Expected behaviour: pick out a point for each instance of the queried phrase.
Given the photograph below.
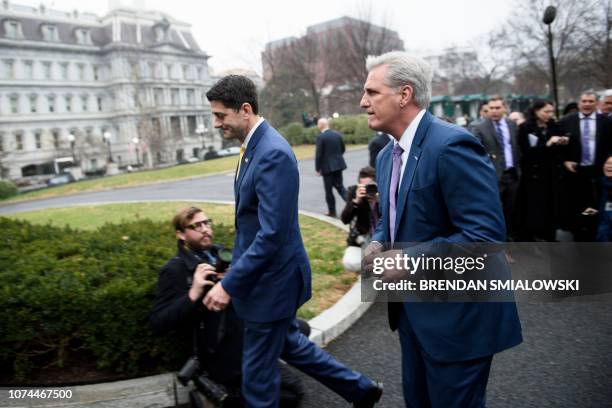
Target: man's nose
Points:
(364, 103)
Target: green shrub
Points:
(7, 189)
(66, 293)
(354, 130)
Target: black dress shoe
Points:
(371, 397)
(331, 214)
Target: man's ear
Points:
(180, 235)
(246, 108)
(406, 95)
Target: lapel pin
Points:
(416, 157)
(246, 160)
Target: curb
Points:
(162, 390)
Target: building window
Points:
(56, 139)
(51, 103)
(12, 29)
(200, 73)
(64, 71)
(84, 103)
(46, 70)
(50, 33)
(175, 126)
(1, 143)
(94, 164)
(158, 94)
(33, 103)
(88, 133)
(169, 70)
(191, 125)
(185, 71)
(38, 139)
(99, 101)
(81, 71)
(174, 92)
(68, 103)
(83, 36)
(28, 69)
(151, 66)
(14, 102)
(19, 141)
(96, 73)
(9, 69)
(190, 97)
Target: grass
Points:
(324, 243)
(151, 176)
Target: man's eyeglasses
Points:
(199, 225)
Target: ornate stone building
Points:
(128, 87)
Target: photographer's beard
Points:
(203, 243)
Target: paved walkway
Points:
(565, 360)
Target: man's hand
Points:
(216, 299)
(570, 166)
(360, 193)
(318, 173)
(373, 249)
(200, 280)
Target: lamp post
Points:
(200, 130)
(136, 141)
(549, 16)
(72, 140)
(107, 137)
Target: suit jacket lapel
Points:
(493, 133)
(247, 158)
(411, 165)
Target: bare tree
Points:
(581, 43)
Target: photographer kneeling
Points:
(216, 337)
(361, 213)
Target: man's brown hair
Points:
(184, 217)
(496, 98)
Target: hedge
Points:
(63, 296)
(7, 189)
(354, 130)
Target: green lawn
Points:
(151, 176)
(324, 243)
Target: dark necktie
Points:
(502, 145)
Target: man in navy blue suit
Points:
(436, 185)
(269, 277)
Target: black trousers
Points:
(508, 188)
(330, 181)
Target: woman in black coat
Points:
(540, 199)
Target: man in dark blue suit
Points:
(436, 185)
(330, 164)
(269, 277)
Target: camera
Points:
(224, 259)
(371, 189)
(215, 393)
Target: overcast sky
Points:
(234, 32)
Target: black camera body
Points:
(371, 189)
(215, 393)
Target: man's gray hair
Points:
(405, 69)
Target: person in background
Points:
(483, 115)
(517, 117)
(604, 229)
(361, 213)
(379, 141)
(329, 163)
(540, 144)
(569, 108)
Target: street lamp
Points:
(107, 137)
(336, 115)
(72, 140)
(549, 16)
(200, 130)
(136, 141)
